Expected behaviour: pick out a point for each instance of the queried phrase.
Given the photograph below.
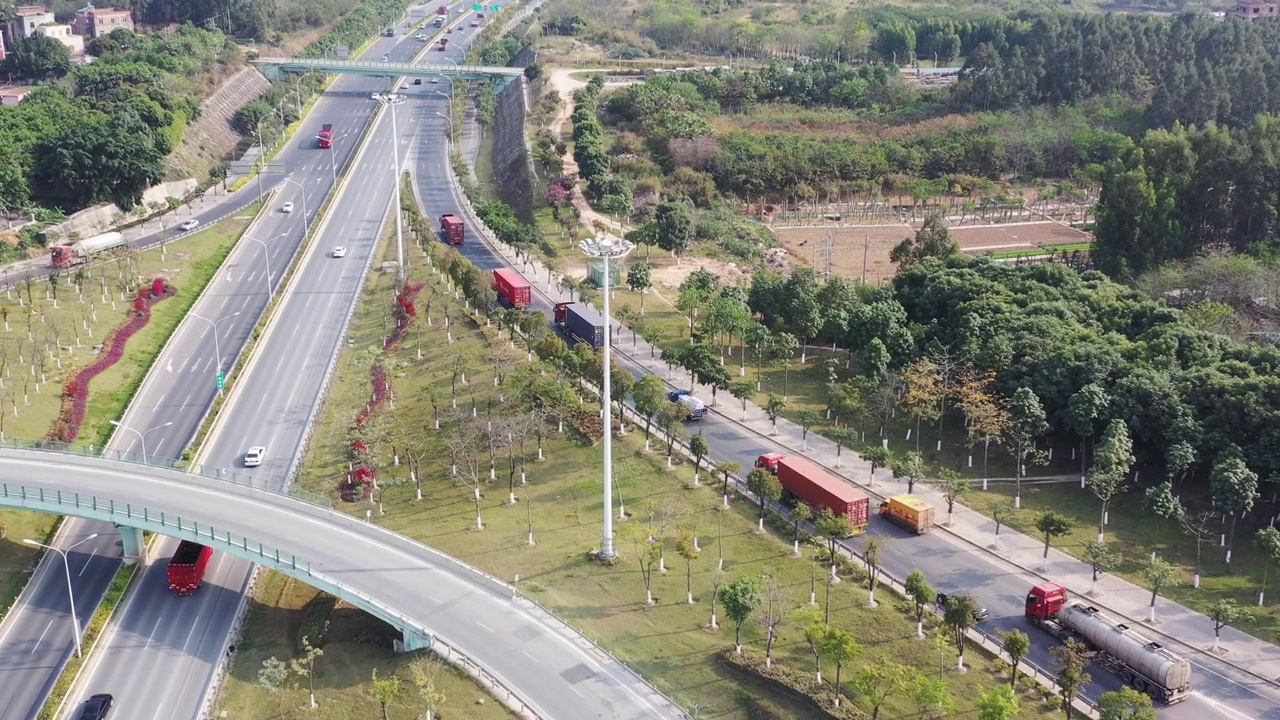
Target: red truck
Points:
(324, 139)
(512, 289)
(803, 480)
(187, 566)
(451, 228)
(444, 43)
(442, 10)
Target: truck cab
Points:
(1045, 600)
(769, 461)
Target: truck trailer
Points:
(512, 289)
(82, 251)
(187, 566)
(324, 138)
(451, 228)
(803, 480)
(908, 511)
(1144, 664)
(694, 408)
(581, 322)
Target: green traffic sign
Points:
(477, 7)
(222, 380)
(495, 8)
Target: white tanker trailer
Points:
(1143, 663)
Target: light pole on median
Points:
(607, 247)
(142, 436)
(393, 100)
(217, 354)
(450, 119)
(306, 228)
(66, 565)
(266, 256)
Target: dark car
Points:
(980, 611)
(95, 708)
(417, 81)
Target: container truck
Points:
(694, 408)
(442, 10)
(908, 511)
(187, 566)
(803, 480)
(324, 139)
(1144, 664)
(512, 289)
(82, 250)
(451, 228)
(580, 322)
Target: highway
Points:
(36, 638)
(181, 639)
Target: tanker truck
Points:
(81, 251)
(1144, 663)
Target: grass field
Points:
(667, 643)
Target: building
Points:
(63, 34)
(25, 21)
(12, 95)
(1255, 9)
(92, 22)
(2, 53)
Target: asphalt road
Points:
(181, 638)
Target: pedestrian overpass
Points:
(274, 68)
(529, 655)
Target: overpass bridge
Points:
(274, 69)
(545, 668)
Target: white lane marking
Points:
(225, 298)
(155, 450)
(41, 639)
(157, 407)
(526, 654)
(194, 624)
(486, 627)
(187, 401)
(152, 636)
(183, 366)
(86, 565)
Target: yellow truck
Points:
(908, 511)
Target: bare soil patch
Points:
(1011, 236)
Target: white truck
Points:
(81, 251)
(695, 409)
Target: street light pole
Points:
(306, 227)
(66, 565)
(142, 436)
(605, 248)
(394, 100)
(217, 353)
(266, 256)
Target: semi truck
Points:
(694, 408)
(908, 511)
(187, 566)
(324, 138)
(451, 228)
(442, 10)
(805, 481)
(444, 44)
(512, 289)
(82, 250)
(1144, 664)
(438, 22)
(581, 323)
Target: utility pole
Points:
(866, 245)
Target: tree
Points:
(741, 598)
(425, 671)
(801, 513)
(998, 703)
(648, 394)
(879, 457)
(1026, 423)
(773, 408)
(839, 647)
(806, 419)
(871, 557)
(1101, 560)
(673, 221)
(465, 444)
(639, 280)
(699, 448)
(1083, 410)
(1160, 500)
(774, 608)
(687, 548)
(726, 469)
(1200, 525)
(909, 466)
(922, 393)
(743, 390)
(832, 528)
(920, 593)
(305, 666)
(766, 487)
(1234, 488)
(648, 553)
(877, 681)
(932, 240)
(815, 632)
(933, 700)
(953, 487)
(1051, 524)
(1112, 459)
(1001, 510)
(1070, 660)
(1268, 544)
(1125, 704)
(386, 691)
(670, 417)
(38, 58)
(1158, 574)
(717, 582)
(957, 614)
(1016, 645)
(1223, 613)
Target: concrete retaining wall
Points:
(101, 218)
(511, 176)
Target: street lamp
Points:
(266, 255)
(66, 565)
(142, 436)
(306, 228)
(450, 119)
(607, 247)
(393, 101)
(217, 354)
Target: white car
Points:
(253, 458)
(386, 57)
(376, 96)
(189, 225)
(286, 208)
(340, 252)
(419, 36)
(435, 81)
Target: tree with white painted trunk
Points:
(815, 631)
(801, 513)
(871, 548)
(774, 609)
(1051, 524)
(1026, 424)
(1268, 544)
(1223, 613)
(1101, 561)
(953, 487)
(1016, 645)
(958, 616)
(646, 553)
(1234, 488)
(766, 487)
(1112, 459)
(1159, 575)
(466, 443)
(426, 672)
(717, 583)
(687, 549)
(726, 469)
(839, 648)
(741, 598)
(920, 593)
(1201, 525)
(832, 528)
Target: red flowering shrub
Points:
(157, 287)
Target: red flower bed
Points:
(75, 393)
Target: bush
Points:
(797, 682)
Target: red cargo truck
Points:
(806, 481)
(442, 10)
(451, 228)
(324, 138)
(187, 566)
(512, 289)
(444, 43)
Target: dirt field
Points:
(849, 243)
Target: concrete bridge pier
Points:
(131, 542)
(413, 640)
